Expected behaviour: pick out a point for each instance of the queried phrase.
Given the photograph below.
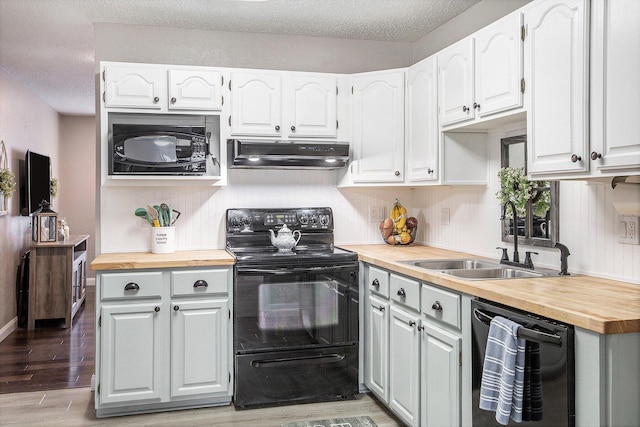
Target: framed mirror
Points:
(537, 223)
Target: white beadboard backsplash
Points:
(587, 217)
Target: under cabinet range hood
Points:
(283, 154)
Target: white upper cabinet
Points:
(134, 87)
(310, 106)
(288, 105)
(195, 90)
(499, 66)
(162, 88)
(615, 86)
(256, 104)
(378, 126)
(481, 75)
(421, 151)
(456, 91)
(556, 75)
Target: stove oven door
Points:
(301, 307)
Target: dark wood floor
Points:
(50, 357)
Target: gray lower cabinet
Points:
(163, 340)
(414, 347)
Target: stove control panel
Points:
(246, 220)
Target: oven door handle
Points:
(298, 361)
(289, 270)
(526, 333)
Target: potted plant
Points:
(54, 187)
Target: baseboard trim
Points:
(8, 328)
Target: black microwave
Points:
(155, 144)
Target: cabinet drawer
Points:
(131, 285)
(378, 281)
(405, 291)
(441, 305)
(199, 282)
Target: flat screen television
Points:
(37, 182)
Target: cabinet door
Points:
(556, 75)
(311, 105)
(456, 90)
(377, 347)
(404, 366)
(440, 377)
(615, 87)
(499, 66)
(199, 347)
(422, 121)
(378, 127)
(131, 352)
(137, 87)
(195, 90)
(256, 104)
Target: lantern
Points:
(44, 224)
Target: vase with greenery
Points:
(515, 187)
(54, 187)
(7, 185)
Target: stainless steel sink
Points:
(494, 273)
(477, 269)
(453, 264)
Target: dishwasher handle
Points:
(526, 333)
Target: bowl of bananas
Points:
(399, 228)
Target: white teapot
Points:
(286, 239)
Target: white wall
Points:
(78, 177)
(26, 123)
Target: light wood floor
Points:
(75, 407)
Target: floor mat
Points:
(336, 422)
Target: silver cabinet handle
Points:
(293, 128)
(173, 100)
(397, 173)
(465, 109)
(278, 127)
(381, 308)
(476, 105)
(595, 155)
(375, 284)
(575, 158)
(176, 307)
(402, 293)
(157, 309)
(412, 323)
(156, 99)
(436, 306)
(201, 284)
(132, 287)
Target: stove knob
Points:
(246, 220)
(324, 220)
(234, 221)
(314, 219)
(303, 219)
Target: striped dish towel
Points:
(501, 389)
(532, 395)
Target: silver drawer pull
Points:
(375, 283)
(412, 323)
(201, 284)
(436, 306)
(132, 287)
(402, 293)
(381, 308)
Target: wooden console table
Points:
(57, 279)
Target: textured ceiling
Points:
(47, 45)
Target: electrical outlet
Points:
(376, 214)
(445, 216)
(628, 230)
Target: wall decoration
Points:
(7, 181)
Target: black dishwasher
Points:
(556, 348)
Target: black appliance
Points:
(296, 313)
(287, 154)
(142, 144)
(36, 182)
(556, 347)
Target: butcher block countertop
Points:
(137, 260)
(600, 305)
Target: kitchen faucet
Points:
(564, 253)
(516, 255)
(528, 263)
